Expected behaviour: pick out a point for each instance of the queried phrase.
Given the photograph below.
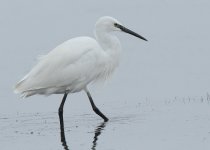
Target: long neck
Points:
(111, 46)
(109, 43)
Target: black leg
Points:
(60, 110)
(95, 109)
(62, 131)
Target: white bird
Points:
(74, 64)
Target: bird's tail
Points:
(20, 87)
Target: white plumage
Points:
(71, 66)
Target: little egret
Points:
(74, 64)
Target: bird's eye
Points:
(115, 24)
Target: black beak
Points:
(126, 30)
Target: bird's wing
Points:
(76, 60)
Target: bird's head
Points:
(109, 24)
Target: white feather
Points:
(71, 66)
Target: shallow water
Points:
(174, 125)
(42, 131)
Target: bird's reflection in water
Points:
(97, 132)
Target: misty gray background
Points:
(153, 99)
(174, 63)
